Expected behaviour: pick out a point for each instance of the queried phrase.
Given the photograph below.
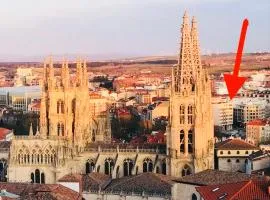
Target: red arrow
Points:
(233, 81)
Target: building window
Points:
(157, 170)
(109, 164)
(229, 160)
(182, 141)
(221, 152)
(38, 177)
(238, 152)
(194, 197)
(182, 114)
(117, 171)
(60, 106)
(163, 171)
(186, 170)
(246, 152)
(190, 141)
(147, 165)
(190, 114)
(237, 161)
(89, 166)
(229, 152)
(128, 165)
(60, 129)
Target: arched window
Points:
(186, 170)
(73, 109)
(3, 170)
(229, 152)
(229, 160)
(182, 114)
(237, 161)
(62, 130)
(190, 114)
(190, 141)
(98, 168)
(238, 152)
(32, 177)
(194, 197)
(246, 152)
(221, 152)
(117, 172)
(163, 171)
(109, 164)
(60, 106)
(147, 165)
(157, 169)
(182, 141)
(58, 129)
(42, 178)
(128, 165)
(37, 176)
(89, 166)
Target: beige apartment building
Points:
(248, 109)
(222, 113)
(258, 131)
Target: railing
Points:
(133, 150)
(28, 137)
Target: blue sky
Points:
(126, 28)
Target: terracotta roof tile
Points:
(253, 189)
(88, 182)
(236, 144)
(258, 122)
(4, 132)
(29, 191)
(149, 183)
(211, 177)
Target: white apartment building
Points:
(248, 109)
(223, 113)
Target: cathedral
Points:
(70, 139)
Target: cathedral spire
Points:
(196, 47)
(79, 72)
(85, 74)
(65, 74)
(184, 72)
(51, 69)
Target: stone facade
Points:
(66, 141)
(190, 132)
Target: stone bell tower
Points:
(65, 105)
(190, 130)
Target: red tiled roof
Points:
(4, 132)
(213, 177)
(150, 183)
(71, 178)
(259, 122)
(29, 191)
(253, 189)
(88, 182)
(236, 144)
